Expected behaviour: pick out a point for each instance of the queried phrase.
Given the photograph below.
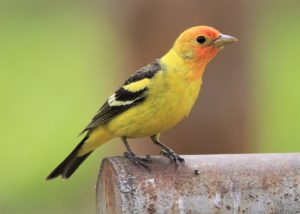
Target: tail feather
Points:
(66, 168)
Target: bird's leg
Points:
(167, 152)
(131, 156)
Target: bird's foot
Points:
(138, 160)
(172, 156)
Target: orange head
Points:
(200, 44)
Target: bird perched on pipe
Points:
(152, 100)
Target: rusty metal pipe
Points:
(205, 184)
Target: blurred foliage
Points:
(276, 78)
(54, 69)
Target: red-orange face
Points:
(200, 44)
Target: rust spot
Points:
(151, 209)
(251, 196)
(270, 181)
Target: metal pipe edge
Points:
(234, 183)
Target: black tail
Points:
(70, 164)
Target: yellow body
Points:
(172, 94)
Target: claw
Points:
(137, 160)
(172, 156)
(167, 152)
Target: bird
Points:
(152, 100)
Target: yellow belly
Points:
(169, 101)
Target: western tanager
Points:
(152, 100)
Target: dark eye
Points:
(201, 39)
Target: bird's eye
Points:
(201, 39)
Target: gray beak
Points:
(224, 40)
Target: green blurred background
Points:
(60, 60)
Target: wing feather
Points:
(125, 97)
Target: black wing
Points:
(123, 99)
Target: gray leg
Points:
(131, 156)
(167, 152)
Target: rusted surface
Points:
(250, 183)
